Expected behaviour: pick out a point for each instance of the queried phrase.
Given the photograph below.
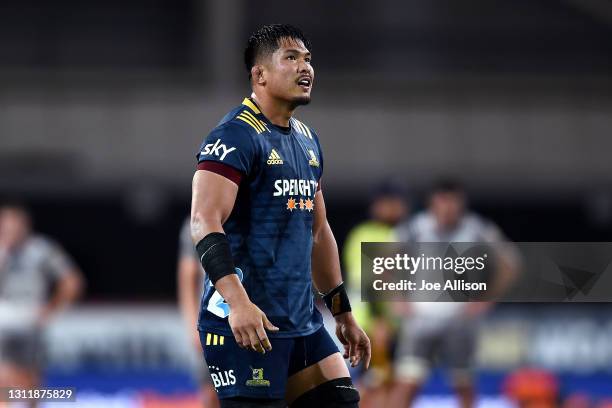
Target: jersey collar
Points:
(253, 106)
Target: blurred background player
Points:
(190, 288)
(37, 279)
(445, 330)
(388, 207)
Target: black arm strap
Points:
(337, 300)
(216, 256)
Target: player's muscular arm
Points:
(326, 275)
(213, 198)
(326, 272)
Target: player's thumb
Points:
(268, 325)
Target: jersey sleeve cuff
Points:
(223, 170)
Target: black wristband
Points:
(215, 256)
(337, 300)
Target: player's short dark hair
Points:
(389, 188)
(14, 203)
(447, 185)
(266, 40)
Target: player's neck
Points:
(276, 111)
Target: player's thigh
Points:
(237, 372)
(330, 368)
(459, 352)
(315, 360)
(417, 347)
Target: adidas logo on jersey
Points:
(274, 158)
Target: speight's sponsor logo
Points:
(294, 187)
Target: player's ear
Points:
(257, 75)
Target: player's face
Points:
(447, 208)
(14, 226)
(389, 210)
(289, 73)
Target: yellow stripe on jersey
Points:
(221, 340)
(208, 339)
(249, 123)
(215, 339)
(253, 121)
(258, 121)
(246, 119)
(247, 102)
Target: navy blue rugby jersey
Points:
(278, 171)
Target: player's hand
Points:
(356, 343)
(249, 325)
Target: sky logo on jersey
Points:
(217, 149)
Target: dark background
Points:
(103, 105)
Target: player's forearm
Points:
(232, 290)
(326, 273)
(228, 286)
(187, 290)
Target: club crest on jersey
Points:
(313, 159)
(217, 149)
(274, 158)
(258, 379)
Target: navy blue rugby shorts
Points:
(238, 372)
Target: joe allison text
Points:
(409, 285)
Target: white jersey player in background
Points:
(444, 332)
(37, 279)
(190, 286)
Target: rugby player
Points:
(260, 228)
(445, 330)
(37, 280)
(190, 281)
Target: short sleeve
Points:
(491, 233)
(227, 145)
(56, 261)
